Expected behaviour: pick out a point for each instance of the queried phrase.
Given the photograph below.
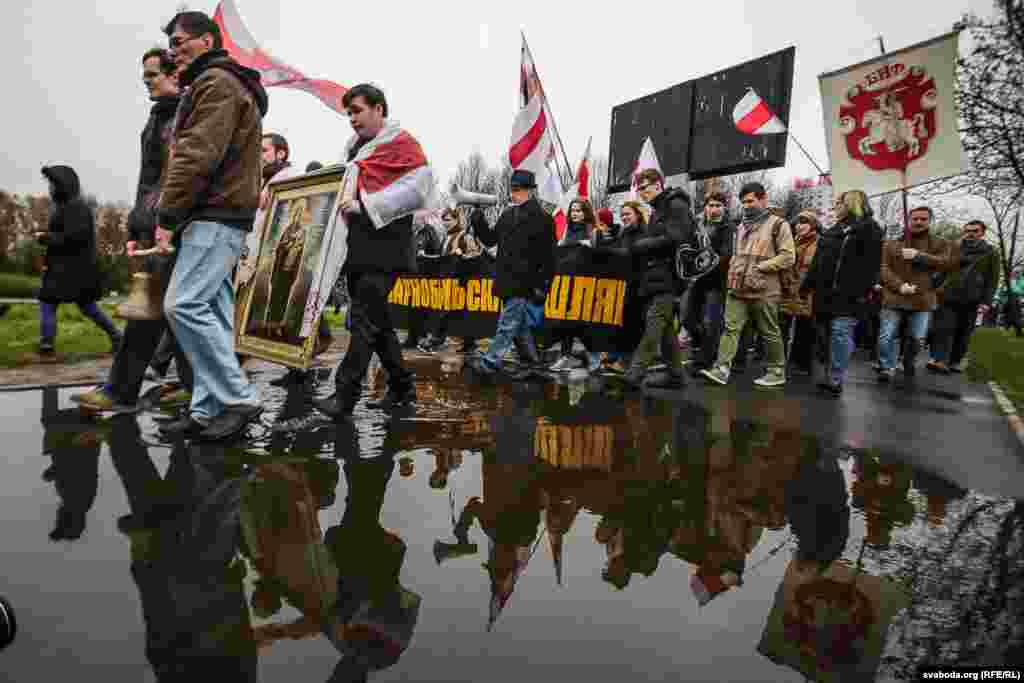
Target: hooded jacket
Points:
(156, 145)
(654, 251)
(214, 171)
(758, 257)
(796, 303)
(72, 273)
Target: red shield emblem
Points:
(889, 118)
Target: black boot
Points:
(398, 398)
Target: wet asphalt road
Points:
(599, 535)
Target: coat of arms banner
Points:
(891, 123)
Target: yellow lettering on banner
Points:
(558, 298)
(446, 300)
(458, 297)
(582, 298)
(490, 303)
(473, 295)
(414, 293)
(620, 301)
(604, 301)
(435, 294)
(395, 295)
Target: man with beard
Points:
(207, 205)
(120, 393)
(908, 291)
(962, 294)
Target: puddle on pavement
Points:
(501, 532)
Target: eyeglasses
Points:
(645, 187)
(803, 221)
(176, 42)
(151, 75)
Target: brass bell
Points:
(145, 300)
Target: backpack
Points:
(694, 261)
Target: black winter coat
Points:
(525, 236)
(156, 140)
(72, 271)
(654, 253)
(846, 266)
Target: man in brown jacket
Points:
(207, 203)
(763, 252)
(907, 291)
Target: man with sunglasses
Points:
(961, 295)
(207, 205)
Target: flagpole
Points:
(806, 153)
(554, 126)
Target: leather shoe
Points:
(230, 423)
(334, 406)
(184, 427)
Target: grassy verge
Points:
(18, 286)
(998, 354)
(76, 334)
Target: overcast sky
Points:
(450, 69)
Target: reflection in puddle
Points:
(844, 563)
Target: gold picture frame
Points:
(297, 227)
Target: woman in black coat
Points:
(844, 271)
(72, 273)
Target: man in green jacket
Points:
(962, 294)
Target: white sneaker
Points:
(566, 363)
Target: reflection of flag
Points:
(244, 49)
(753, 117)
(648, 159)
(580, 190)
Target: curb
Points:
(1016, 424)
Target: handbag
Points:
(695, 260)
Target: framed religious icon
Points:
(278, 287)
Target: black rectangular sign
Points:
(665, 118)
(716, 147)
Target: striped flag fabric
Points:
(530, 146)
(753, 117)
(244, 49)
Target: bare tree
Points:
(599, 182)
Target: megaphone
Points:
(447, 551)
(460, 196)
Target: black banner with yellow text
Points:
(588, 299)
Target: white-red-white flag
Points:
(244, 49)
(579, 190)
(753, 117)
(648, 159)
(530, 146)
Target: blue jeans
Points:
(890, 325)
(514, 322)
(200, 308)
(842, 345)
(48, 320)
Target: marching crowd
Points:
(803, 291)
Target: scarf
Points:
(748, 224)
(271, 170)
